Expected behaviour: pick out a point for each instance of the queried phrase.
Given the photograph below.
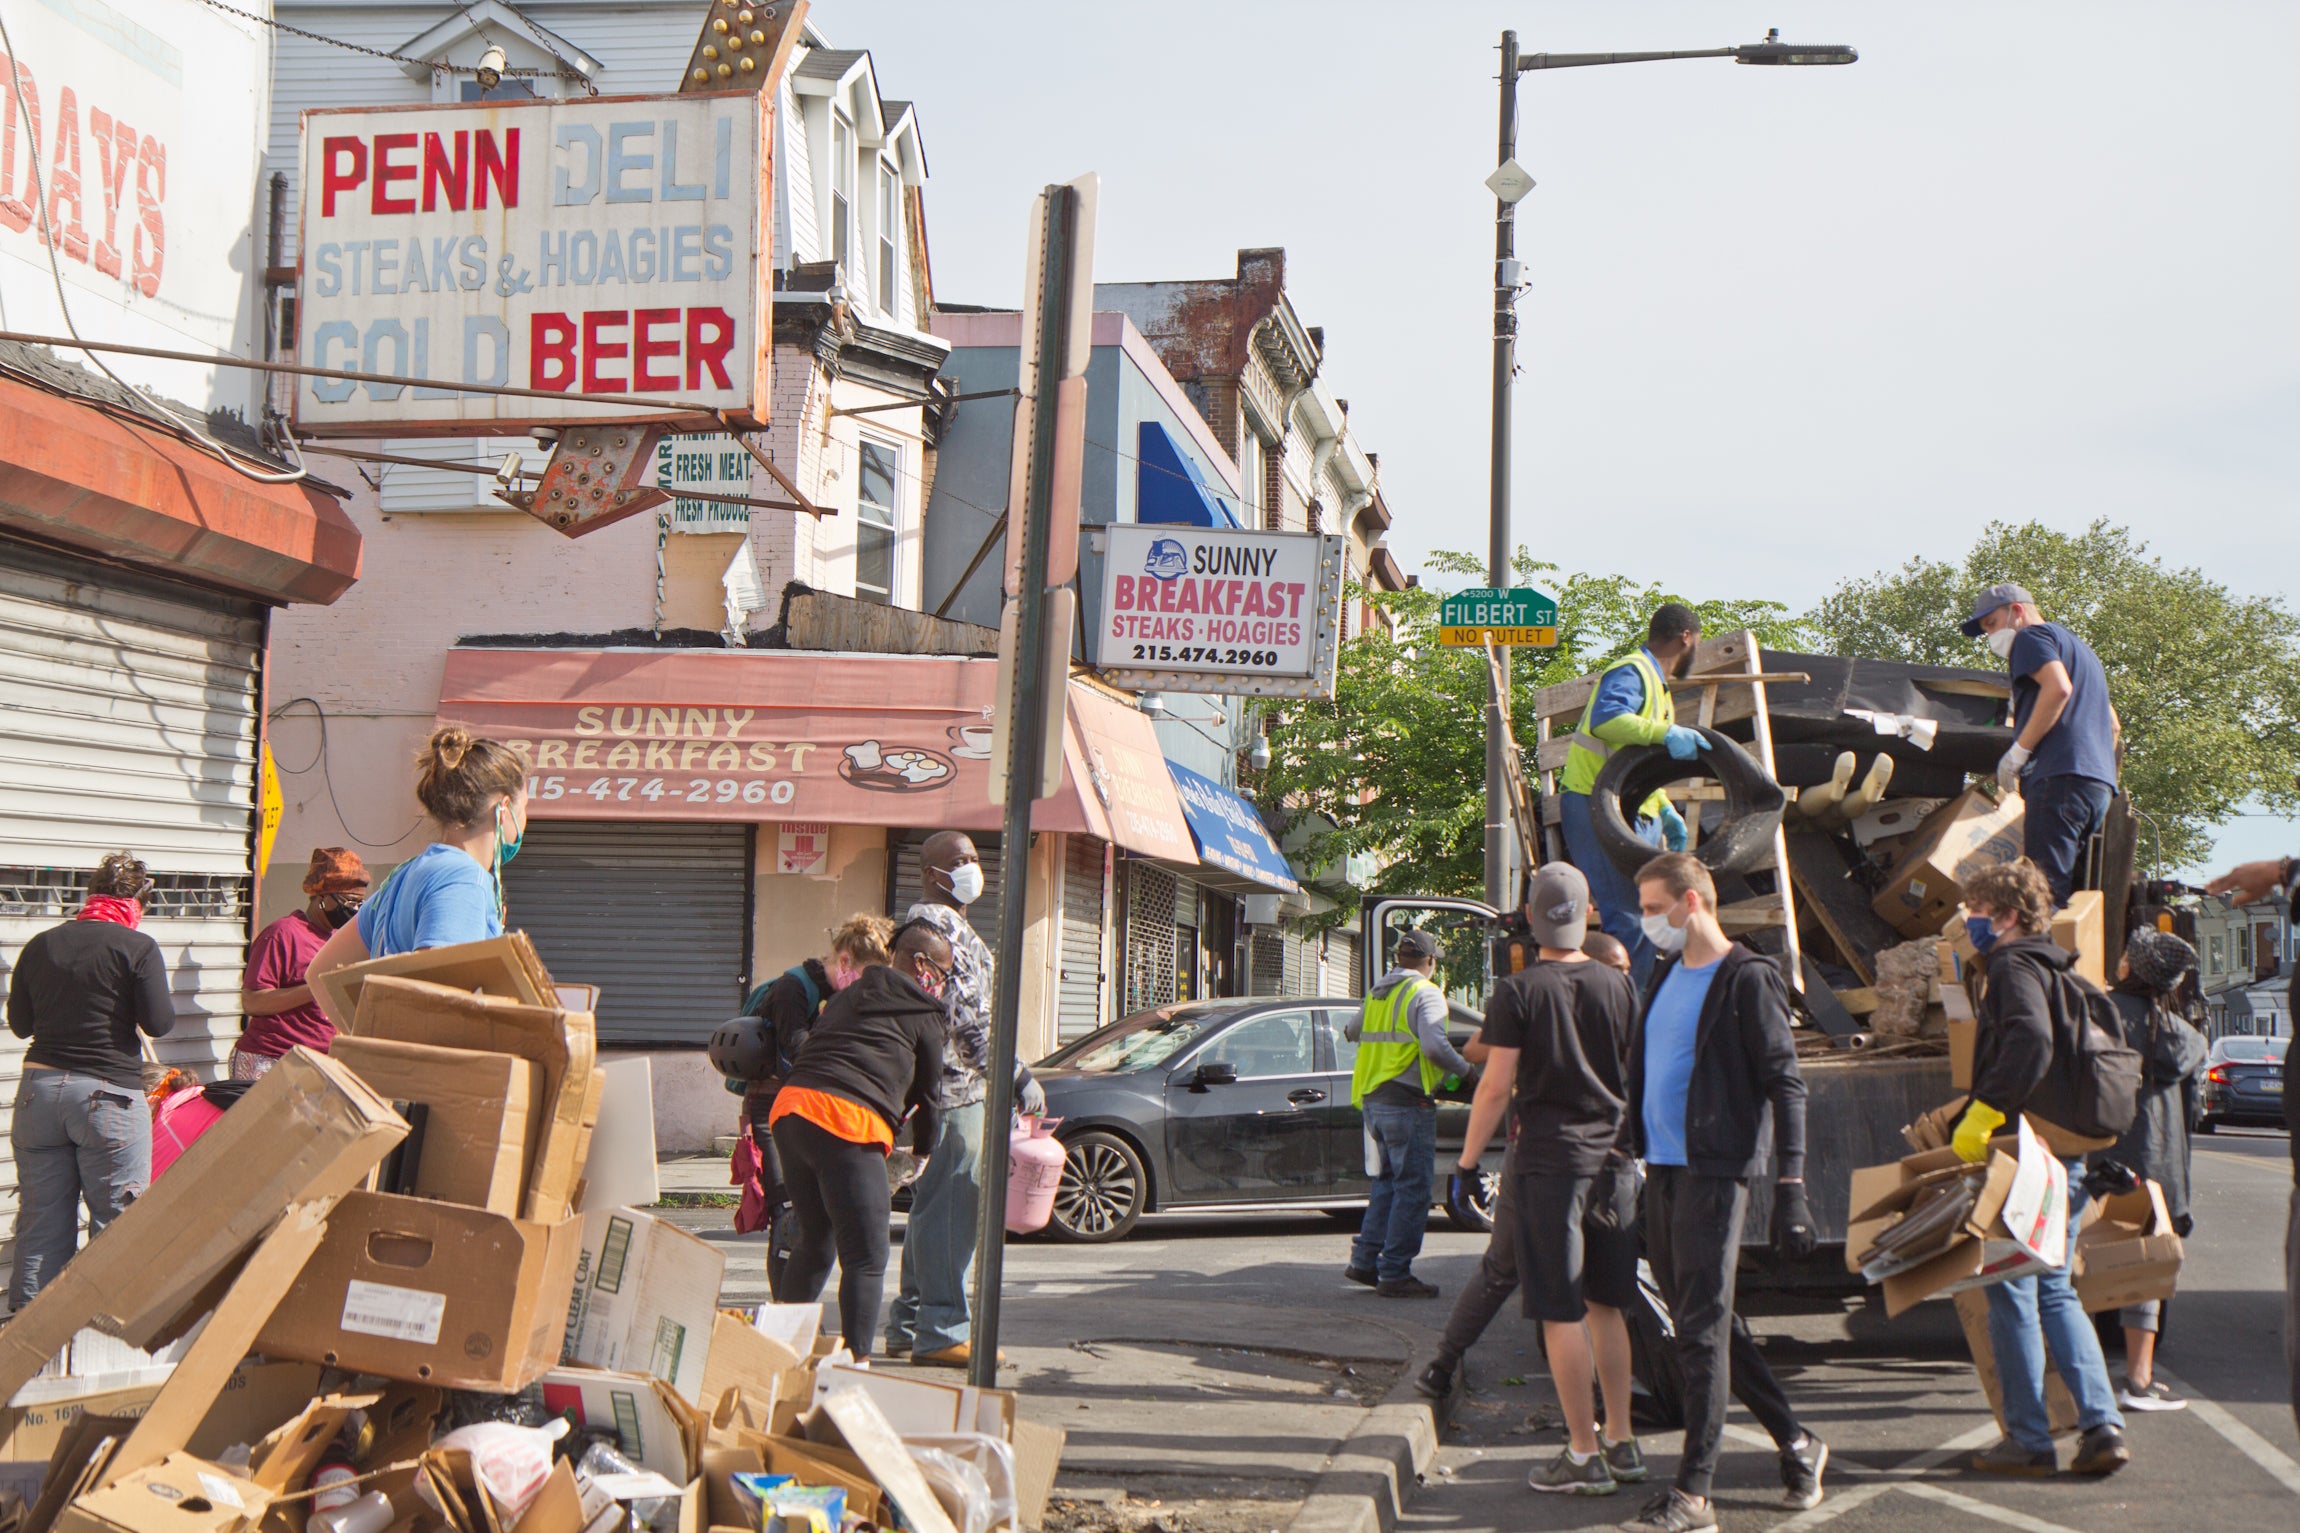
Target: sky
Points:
(1784, 327)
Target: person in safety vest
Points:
(1630, 706)
(1403, 1059)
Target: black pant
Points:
(1693, 1240)
(840, 1203)
(1494, 1281)
(781, 1225)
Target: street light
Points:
(1510, 183)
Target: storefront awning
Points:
(1168, 487)
(772, 735)
(1229, 833)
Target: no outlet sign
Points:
(1521, 616)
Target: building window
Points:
(506, 89)
(842, 192)
(876, 523)
(889, 226)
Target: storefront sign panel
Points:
(1215, 609)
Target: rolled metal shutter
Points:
(1079, 1003)
(1342, 969)
(128, 721)
(653, 913)
(910, 882)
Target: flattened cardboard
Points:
(656, 1429)
(485, 1121)
(433, 1293)
(35, 1431)
(253, 1402)
(722, 1507)
(2127, 1253)
(743, 1358)
(285, 1457)
(646, 1299)
(1973, 1314)
(2021, 1179)
(850, 1416)
(501, 966)
(1970, 832)
(562, 1043)
(1963, 1033)
(557, 1507)
(180, 1494)
(308, 1130)
(619, 1165)
(1037, 1460)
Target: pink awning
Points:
(757, 735)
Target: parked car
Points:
(2243, 1083)
(1224, 1104)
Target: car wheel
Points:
(1477, 1219)
(1102, 1192)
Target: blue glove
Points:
(1683, 744)
(1673, 828)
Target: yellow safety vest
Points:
(1387, 1047)
(1587, 757)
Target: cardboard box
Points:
(33, 1431)
(180, 1494)
(308, 1130)
(849, 1418)
(746, 1359)
(484, 1118)
(655, 1428)
(1970, 832)
(2078, 930)
(619, 1168)
(499, 966)
(562, 1044)
(434, 1293)
(646, 1299)
(820, 1464)
(1962, 1034)
(2059, 1404)
(2126, 1253)
(2017, 1225)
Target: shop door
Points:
(1079, 1006)
(909, 880)
(655, 913)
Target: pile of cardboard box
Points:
(373, 1249)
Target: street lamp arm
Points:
(1585, 60)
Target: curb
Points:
(1365, 1486)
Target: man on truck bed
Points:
(1630, 706)
(2063, 757)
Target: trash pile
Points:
(397, 1289)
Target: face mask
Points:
(843, 974)
(338, 915)
(1982, 932)
(965, 882)
(2001, 642)
(1658, 931)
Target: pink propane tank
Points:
(1033, 1172)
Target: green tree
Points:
(1394, 763)
(2206, 682)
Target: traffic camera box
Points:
(2126, 1253)
(1970, 832)
(482, 1120)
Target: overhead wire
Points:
(387, 55)
(320, 759)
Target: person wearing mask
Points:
(475, 791)
(790, 1003)
(1403, 1056)
(2243, 885)
(1629, 706)
(2024, 1059)
(1713, 1061)
(2148, 979)
(1559, 1033)
(875, 1052)
(280, 1009)
(2063, 756)
(930, 1321)
(82, 992)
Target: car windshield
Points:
(2252, 1050)
(1137, 1042)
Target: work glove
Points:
(1683, 744)
(1971, 1140)
(2009, 768)
(1673, 834)
(1030, 1098)
(1793, 1234)
(2108, 1178)
(1461, 1190)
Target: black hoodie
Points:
(877, 1043)
(1744, 1068)
(2024, 1051)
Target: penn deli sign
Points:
(608, 246)
(1216, 609)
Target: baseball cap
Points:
(1557, 905)
(2003, 594)
(1414, 945)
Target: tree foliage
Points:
(1394, 763)
(2207, 682)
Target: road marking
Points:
(1976, 1508)
(2273, 1167)
(2251, 1444)
(1932, 1458)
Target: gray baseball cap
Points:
(1557, 905)
(1414, 945)
(2000, 595)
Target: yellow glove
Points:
(1971, 1140)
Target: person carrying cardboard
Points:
(1712, 1062)
(275, 997)
(2027, 1055)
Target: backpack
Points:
(787, 1048)
(2104, 1076)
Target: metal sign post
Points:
(1050, 436)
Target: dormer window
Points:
(889, 230)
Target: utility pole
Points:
(1500, 892)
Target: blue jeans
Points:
(1390, 1236)
(1612, 891)
(938, 1244)
(76, 1138)
(2029, 1315)
(2062, 815)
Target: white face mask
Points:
(965, 882)
(1658, 931)
(2001, 642)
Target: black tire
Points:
(1657, 1382)
(1478, 1218)
(1753, 803)
(1347, 1218)
(1103, 1191)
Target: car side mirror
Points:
(1216, 1072)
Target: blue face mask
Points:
(1982, 931)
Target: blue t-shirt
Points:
(2083, 743)
(1621, 690)
(436, 898)
(1672, 1025)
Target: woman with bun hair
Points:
(81, 992)
(475, 790)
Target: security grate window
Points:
(1149, 937)
(43, 893)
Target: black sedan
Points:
(2243, 1083)
(1225, 1104)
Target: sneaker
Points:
(1801, 1465)
(2100, 1451)
(1363, 1275)
(1673, 1511)
(2152, 1396)
(1407, 1287)
(1435, 1382)
(1562, 1476)
(1624, 1459)
(2009, 1457)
